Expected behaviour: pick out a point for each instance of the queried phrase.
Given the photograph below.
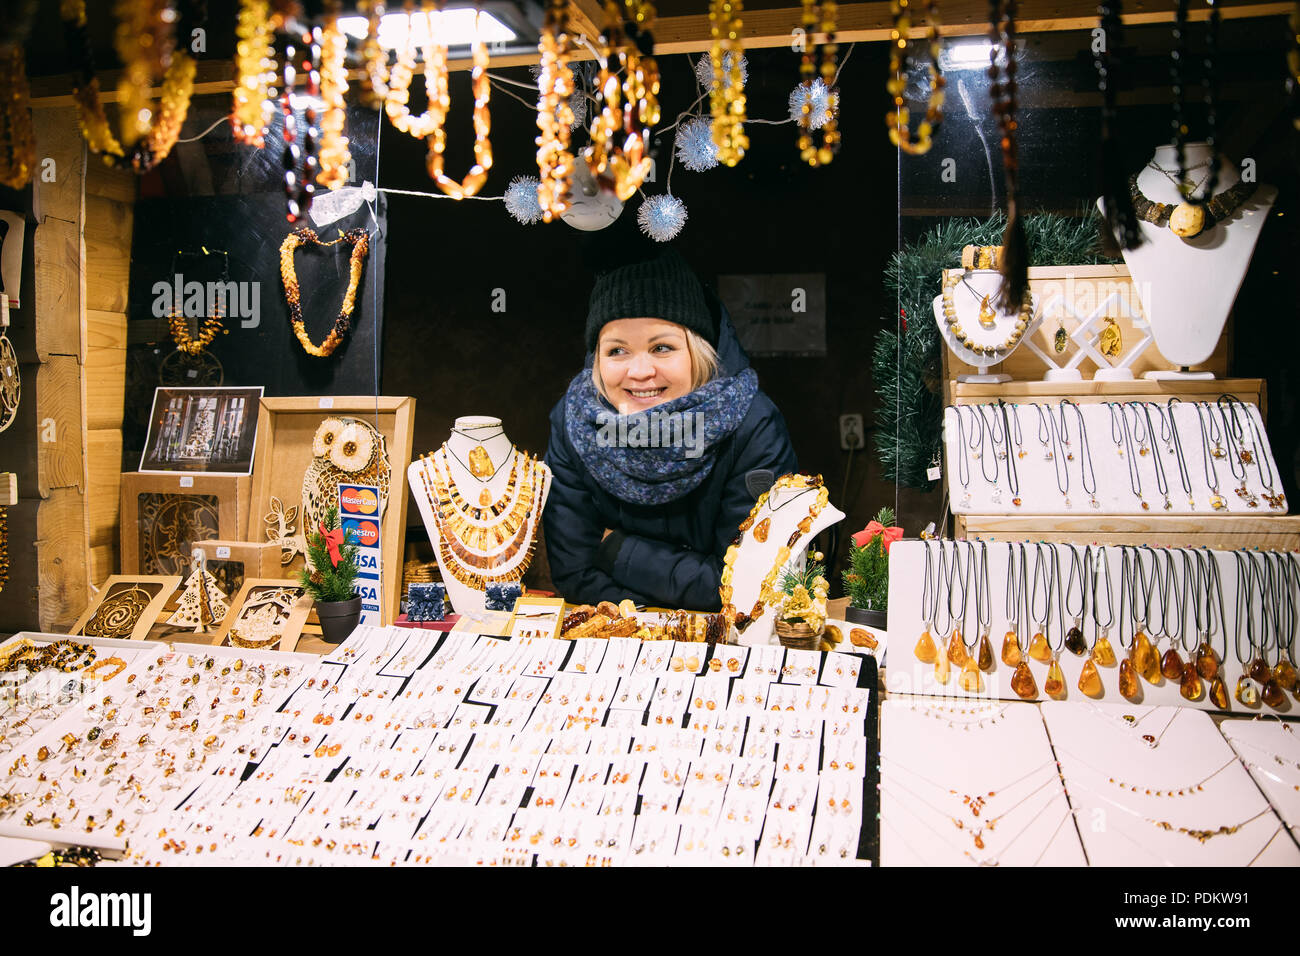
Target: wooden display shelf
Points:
(1213, 531)
(1249, 390)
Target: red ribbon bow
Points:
(873, 528)
(332, 541)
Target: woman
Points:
(660, 448)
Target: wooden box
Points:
(163, 516)
(231, 562)
(285, 429)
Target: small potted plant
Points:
(329, 577)
(866, 581)
(801, 618)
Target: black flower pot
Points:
(876, 619)
(338, 619)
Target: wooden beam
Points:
(587, 16)
(60, 403)
(108, 253)
(103, 485)
(105, 369)
(61, 559)
(58, 288)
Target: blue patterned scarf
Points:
(660, 454)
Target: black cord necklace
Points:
(1209, 453)
(1249, 683)
(1013, 471)
(1045, 435)
(1169, 433)
(1162, 480)
(1060, 465)
(1143, 655)
(1102, 652)
(1039, 648)
(978, 423)
(1074, 641)
(1012, 605)
(1275, 499)
(1087, 474)
(998, 447)
(1123, 438)
(984, 609)
(963, 461)
(1054, 685)
(1209, 583)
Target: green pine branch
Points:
(327, 583)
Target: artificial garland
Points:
(360, 241)
(905, 361)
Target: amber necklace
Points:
(767, 592)
(983, 715)
(1123, 438)
(477, 534)
(956, 650)
(1200, 836)
(1127, 723)
(925, 649)
(1209, 585)
(1074, 641)
(1101, 649)
(1169, 432)
(987, 861)
(1141, 789)
(360, 241)
(976, 803)
(1208, 454)
(487, 508)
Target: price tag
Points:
(187, 481)
(933, 473)
(223, 552)
(326, 401)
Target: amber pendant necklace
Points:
(1206, 661)
(954, 655)
(1255, 672)
(925, 649)
(1103, 654)
(1087, 473)
(989, 861)
(984, 716)
(1129, 724)
(1199, 835)
(1074, 642)
(1208, 454)
(1011, 655)
(976, 804)
(1123, 438)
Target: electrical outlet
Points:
(851, 433)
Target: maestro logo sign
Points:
(366, 533)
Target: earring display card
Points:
(599, 785)
(971, 785)
(210, 430)
(1271, 753)
(1201, 613)
(1159, 786)
(1107, 458)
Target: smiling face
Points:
(643, 363)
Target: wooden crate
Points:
(1080, 285)
(285, 428)
(178, 496)
(1281, 532)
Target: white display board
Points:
(989, 768)
(1159, 786)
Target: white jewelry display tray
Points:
(102, 839)
(1039, 478)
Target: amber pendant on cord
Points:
(925, 648)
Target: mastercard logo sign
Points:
(361, 501)
(364, 533)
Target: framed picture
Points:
(208, 430)
(267, 614)
(127, 607)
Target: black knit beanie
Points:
(662, 288)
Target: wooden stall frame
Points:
(399, 435)
(170, 584)
(292, 627)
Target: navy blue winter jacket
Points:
(662, 555)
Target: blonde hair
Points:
(704, 363)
